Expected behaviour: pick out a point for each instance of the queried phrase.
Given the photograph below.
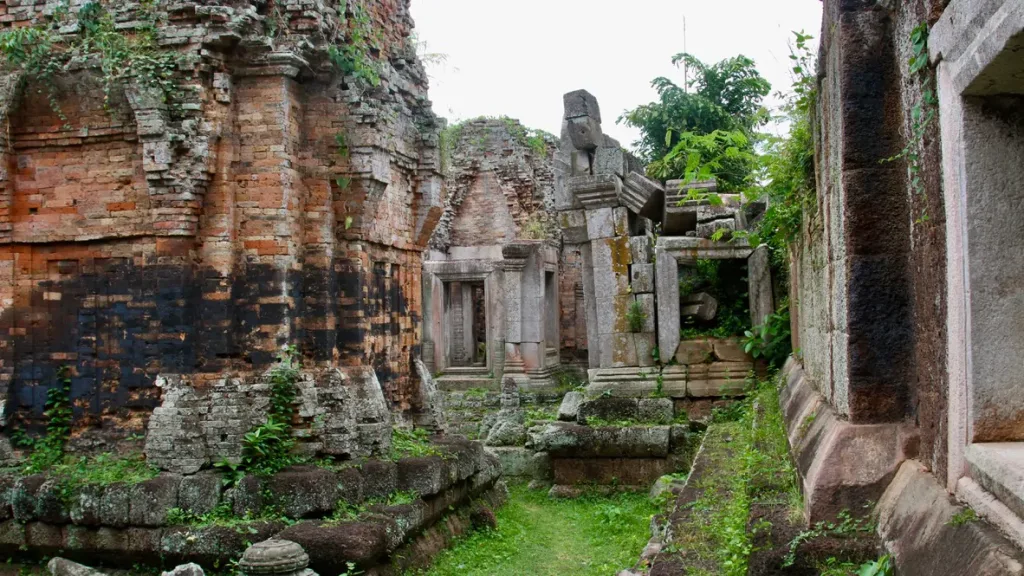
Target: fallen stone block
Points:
(61, 567)
(570, 406)
(573, 440)
(702, 306)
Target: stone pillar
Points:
(513, 265)
(759, 277)
(611, 194)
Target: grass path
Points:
(536, 535)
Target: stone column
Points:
(514, 263)
(759, 277)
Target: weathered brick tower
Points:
(275, 183)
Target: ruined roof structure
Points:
(498, 184)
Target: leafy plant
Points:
(48, 451)
(880, 567)
(724, 155)
(636, 317)
(413, 443)
(267, 448)
(122, 58)
(351, 55)
(965, 516)
(845, 525)
(772, 339)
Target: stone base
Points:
(706, 380)
(915, 523)
(842, 466)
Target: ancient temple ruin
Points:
(491, 276)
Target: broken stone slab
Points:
(709, 229)
(702, 306)
(730, 350)
(643, 196)
(570, 406)
(585, 133)
(562, 439)
(680, 213)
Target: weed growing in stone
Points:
(267, 448)
(636, 317)
(48, 451)
(412, 444)
(965, 516)
(845, 525)
(122, 56)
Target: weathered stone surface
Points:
(915, 522)
(330, 547)
(115, 506)
(656, 410)
(378, 477)
(421, 475)
(200, 493)
(631, 472)
(730, 350)
(305, 491)
(842, 466)
(573, 440)
(506, 433)
(694, 351)
(274, 556)
(24, 497)
(151, 500)
(515, 461)
(609, 409)
(580, 103)
(762, 303)
(62, 567)
(641, 277)
(701, 306)
(190, 569)
(570, 406)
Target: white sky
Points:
(517, 58)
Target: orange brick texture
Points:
(141, 239)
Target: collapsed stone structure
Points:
(907, 284)
(608, 210)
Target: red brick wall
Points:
(122, 266)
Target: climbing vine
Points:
(43, 54)
(922, 114)
(267, 448)
(352, 56)
(48, 450)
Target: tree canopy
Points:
(724, 99)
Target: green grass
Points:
(536, 535)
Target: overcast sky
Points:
(517, 58)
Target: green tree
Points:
(724, 96)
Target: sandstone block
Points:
(581, 103)
(304, 491)
(85, 506)
(420, 475)
(150, 500)
(641, 277)
(585, 133)
(577, 441)
(656, 410)
(570, 406)
(200, 493)
(61, 567)
(609, 409)
(609, 160)
(24, 498)
(600, 223)
(730, 350)
(515, 461)
(694, 352)
(330, 547)
(641, 250)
